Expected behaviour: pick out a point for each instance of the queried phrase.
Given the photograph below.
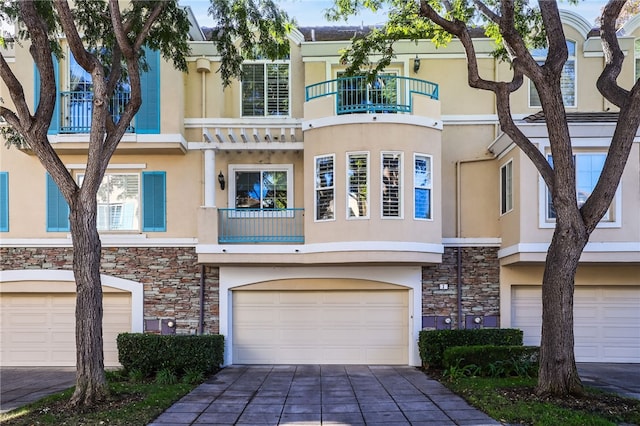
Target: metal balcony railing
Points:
(77, 106)
(382, 94)
(261, 225)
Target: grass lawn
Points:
(513, 401)
(130, 403)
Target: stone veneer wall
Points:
(170, 276)
(480, 284)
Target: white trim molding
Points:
(472, 242)
(384, 246)
(108, 240)
(136, 289)
(591, 247)
(337, 120)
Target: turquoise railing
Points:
(383, 94)
(76, 108)
(261, 226)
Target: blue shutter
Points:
(54, 127)
(57, 208)
(154, 201)
(148, 116)
(4, 202)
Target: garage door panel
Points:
(323, 327)
(606, 321)
(38, 329)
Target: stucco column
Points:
(209, 178)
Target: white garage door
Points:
(39, 329)
(320, 327)
(606, 321)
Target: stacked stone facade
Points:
(480, 284)
(170, 276)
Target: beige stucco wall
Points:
(27, 189)
(373, 138)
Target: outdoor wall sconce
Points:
(171, 324)
(221, 180)
(477, 320)
(416, 64)
(447, 320)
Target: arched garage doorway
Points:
(37, 316)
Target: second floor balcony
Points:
(77, 109)
(249, 226)
(384, 93)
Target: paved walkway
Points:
(322, 395)
(22, 385)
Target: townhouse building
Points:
(312, 217)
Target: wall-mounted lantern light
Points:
(416, 64)
(221, 180)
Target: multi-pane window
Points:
(262, 188)
(391, 184)
(506, 188)
(567, 78)
(265, 89)
(358, 185)
(588, 169)
(325, 192)
(118, 202)
(422, 185)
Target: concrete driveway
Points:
(22, 385)
(623, 379)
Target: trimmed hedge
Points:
(495, 361)
(433, 343)
(150, 353)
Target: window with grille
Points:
(325, 192)
(358, 185)
(391, 184)
(506, 188)
(118, 200)
(588, 169)
(265, 89)
(422, 185)
(262, 189)
(567, 79)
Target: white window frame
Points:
(613, 217)
(80, 178)
(264, 63)
(540, 59)
(317, 188)
(231, 193)
(429, 187)
(368, 184)
(506, 194)
(400, 155)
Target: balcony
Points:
(260, 226)
(382, 94)
(77, 107)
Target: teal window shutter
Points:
(54, 127)
(4, 202)
(148, 116)
(154, 201)
(57, 208)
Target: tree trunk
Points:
(91, 385)
(558, 374)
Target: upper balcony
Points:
(384, 94)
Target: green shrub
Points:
(166, 377)
(494, 361)
(147, 354)
(433, 343)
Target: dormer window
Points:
(567, 79)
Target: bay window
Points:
(358, 185)
(325, 192)
(391, 184)
(422, 185)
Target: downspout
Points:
(201, 320)
(459, 164)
